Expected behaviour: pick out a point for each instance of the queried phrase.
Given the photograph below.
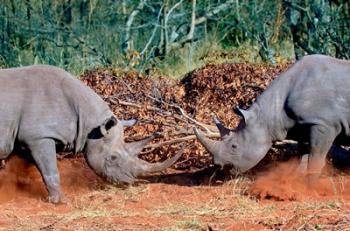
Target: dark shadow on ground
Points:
(213, 176)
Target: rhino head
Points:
(242, 147)
(112, 158)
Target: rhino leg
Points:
(303, 150)
(302, 168)
(44, 155)
(321, 140)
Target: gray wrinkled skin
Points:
(310, 102)
(44, 108)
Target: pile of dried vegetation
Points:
(173, 107)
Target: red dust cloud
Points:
(283, 183)
(20, 179)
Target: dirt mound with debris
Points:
(283, 182)
(174, 107)
(21, 179)
(220, 88)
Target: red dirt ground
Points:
(284, 202)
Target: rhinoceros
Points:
(44, 110)
(309, 103)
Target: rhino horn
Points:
(213, 146)
(224, 131)
(146, 167)
(135, 148)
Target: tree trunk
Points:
(65, 25)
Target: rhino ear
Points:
(101, 131)
(107, 125)
(111, 123)
(128, 123)
(245, 114)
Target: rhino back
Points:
(46, 102)
(314, 90)
(320, 95)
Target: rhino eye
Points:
(113, 158)
(234, 146)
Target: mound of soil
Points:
(213, 88)
(21, 179)
(283, 182)
(220, 88)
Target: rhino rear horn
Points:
(224, 131)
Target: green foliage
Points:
(170, 34)
(319, 26)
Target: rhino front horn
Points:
(213, 146)
(146, 167)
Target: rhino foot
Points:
(313, 179)
(57, 199)
(302, 168)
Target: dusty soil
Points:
(284, 182)
(193, 195)
(173, 200)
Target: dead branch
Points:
(173, 141)
(130, 104)
(177, 140)
(183, 116)
(208, 129)
(128, 86)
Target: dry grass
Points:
(146, 207)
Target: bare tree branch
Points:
(197, 21)
(208, 129)
(169, 142)
(214, 11)
(193, 21)
(156, 26)
(127, 44)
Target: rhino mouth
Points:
(222, 154)
(116, 160)
(231, 150)
(124, 165)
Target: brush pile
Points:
(173, 107)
